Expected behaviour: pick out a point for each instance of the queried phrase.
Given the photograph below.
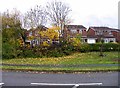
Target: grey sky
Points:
(84, 12)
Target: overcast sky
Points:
(84, 12)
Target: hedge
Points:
(55, 51)
(96, 47)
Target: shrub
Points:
(106, 47)
(94, 47)
(54, 53)
(8, 51)
(84, 47)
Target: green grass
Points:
(74, 59)
(48, 69)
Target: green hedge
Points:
(54, 51)
(96, 47)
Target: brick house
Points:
(94, 34)
(72, 31)
(36, 40)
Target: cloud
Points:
(87, 12)
(94, 20)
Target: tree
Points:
(11, 32)
(100, 38)
(57, 13)
(50, 34)
(35, 17)
(11, 19)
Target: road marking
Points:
(1, 84)
(74, 85)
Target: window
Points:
(106, 41)
(30, 34)
(85, 40)
(73, 31)
(111, 40)
(77, 31)
(110, 33)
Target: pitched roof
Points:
(38, 28)
(105, 28)
(96, 36)
(75, 26)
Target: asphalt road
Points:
(25, 79)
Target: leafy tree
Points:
(11, 32)
(50, 34)
(75, 42)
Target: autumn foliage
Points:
(50, 34)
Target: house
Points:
(90, 36)
(95, 34)
(72, 31)
(33, 35)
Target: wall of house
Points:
(84, 33)
(116, 35)
(90, 32)
(74, 31)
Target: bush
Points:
(94, 47)
(8, 51)
(55, 53)
(84, 47)
(111, 47)
(106, 47)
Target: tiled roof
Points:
(75, 26)
(38, 28)
(104, 28)
(96, 36)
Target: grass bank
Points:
(74, 59)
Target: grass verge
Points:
(74, 59)
(67, 69)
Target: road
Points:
(26, 78)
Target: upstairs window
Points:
(73, 31)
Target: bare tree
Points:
(35, 17)
(57, 13)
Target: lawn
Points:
(74, 59)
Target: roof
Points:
(38, 28)
(96, 36)
(105, 28)
(75, 26)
